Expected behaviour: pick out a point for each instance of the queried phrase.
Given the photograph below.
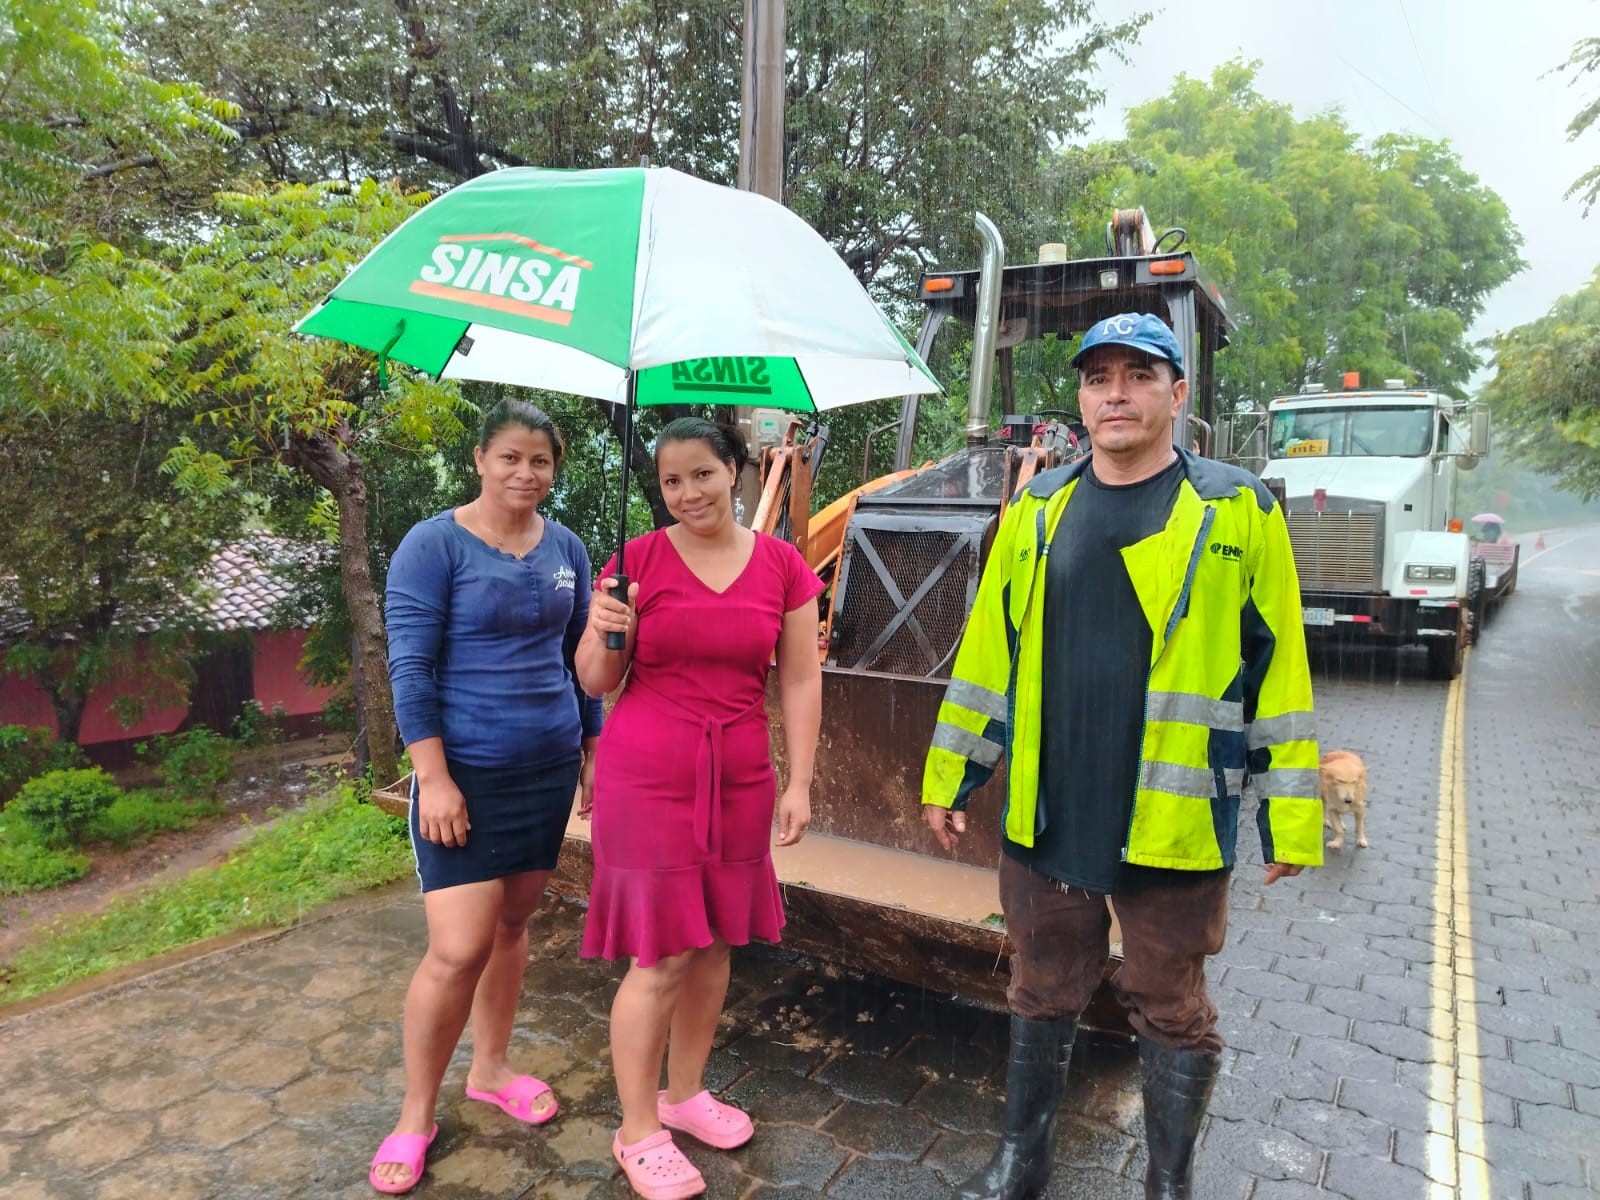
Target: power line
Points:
(1426, 119)
(1417, 51)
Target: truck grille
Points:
(1336, 551)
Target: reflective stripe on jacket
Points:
(1228, 693)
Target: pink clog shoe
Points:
(656, 1169)
(706, 1119)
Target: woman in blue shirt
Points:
(485, 604)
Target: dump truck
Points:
(868, 889)
(1369, 477)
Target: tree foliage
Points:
(1335, 255)
(313, 407)
(98, 554)
(902, 117)
(1545, 392)
(1584, 64)
(80, 313)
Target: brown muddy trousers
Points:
(1062, 939)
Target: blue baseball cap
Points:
(1138, 330)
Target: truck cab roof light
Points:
(1168, 266)
(940, 283)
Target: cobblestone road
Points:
(1416, 1020)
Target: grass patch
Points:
(29, 862)
(137, 817)
(27, 865)
(333, 847)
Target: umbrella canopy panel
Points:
(569, 280)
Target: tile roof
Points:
(249, 580)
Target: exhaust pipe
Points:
(985, 330)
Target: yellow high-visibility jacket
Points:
(1228, 692)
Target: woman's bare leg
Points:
(641, 1015)
(694, 1021)
(494, 1004)
(461, 930)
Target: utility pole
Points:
(761, 111)
(760, 158)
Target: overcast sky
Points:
(1466, 70)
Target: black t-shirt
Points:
(1097, 645)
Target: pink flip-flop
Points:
(407, 1149)
(707, 1119)
(656, 1169)
(517, 1097)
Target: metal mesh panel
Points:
(867, 607)
(1336, 550)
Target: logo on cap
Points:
(1140, 331)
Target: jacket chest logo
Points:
(1223, 550)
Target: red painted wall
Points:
(275, 663)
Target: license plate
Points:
(1317, 616)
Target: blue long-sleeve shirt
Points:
(481, 645)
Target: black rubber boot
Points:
(1177, 1088)
(1036, 1076)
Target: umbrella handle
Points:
(616, 640)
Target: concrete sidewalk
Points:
(273, 1069)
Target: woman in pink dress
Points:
(685, 790)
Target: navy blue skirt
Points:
(518, 818)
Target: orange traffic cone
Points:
(1539, 544)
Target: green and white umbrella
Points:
(633, 285)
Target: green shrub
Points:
(255, 727)
(30, 866)
(193, 765)
(138, 816)
(59, 806)
(27, 751)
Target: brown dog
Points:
(1344, 789)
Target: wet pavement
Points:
(1420, 1019)
(273, 1070)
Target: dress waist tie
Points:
(707, 762)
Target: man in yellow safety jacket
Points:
(1135, 652)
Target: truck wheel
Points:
(1445, 659)
(1477, 601)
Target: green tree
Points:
(902, 116)
(1335, 255)
(1545, 392)
(313, 407)
(1584, 63)
(99, 554)
(82, 315)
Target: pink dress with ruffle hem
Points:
(684, 786)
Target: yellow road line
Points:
(1458, 1158)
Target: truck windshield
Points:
(1352, 432)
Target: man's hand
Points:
(1277, 871)
(947, 825)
